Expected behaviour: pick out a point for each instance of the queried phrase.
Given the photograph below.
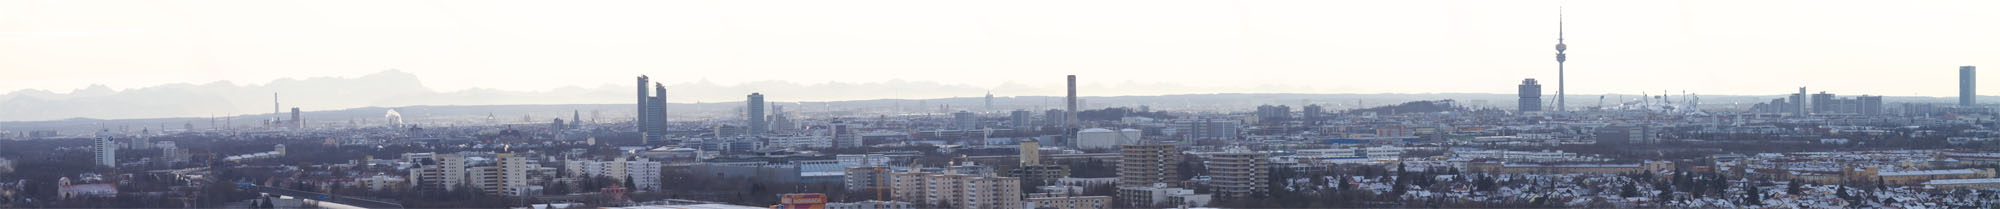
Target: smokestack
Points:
(275, 109)
(1069, 118)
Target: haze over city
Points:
(997, 104)
(1712, 47)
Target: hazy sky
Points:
(1898, 48)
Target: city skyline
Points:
(895, 104)
(393, 89)
(1692, 46)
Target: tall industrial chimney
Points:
(1069, 117)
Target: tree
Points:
(1630, 190)
(1841, 191)
(1345, 183)
(559, 188)
(1794, 188)
(1486, 183)
(1666, 192)
(1402, 184)
(1881, 185)
(630, 185)
(268, 203)
(1755, 196)
(1317, 181)
(1720, 185)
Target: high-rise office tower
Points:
(652, 112)
(965, 120)
(1869, 105)
(104, 151)
(781, 121)
(1268, 114)
(296, 121)
(1801, 100)
(1823, 103)
(642, 119)
(575, 118)
(989, 101)
(658, 111)
(1531, 96)
(1022, 119)
(755, 114)
(1312, 113)
(1560, 58)
(1966, 83)
(1053, 117)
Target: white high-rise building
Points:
(644, 174)
(453, 168)
(105, 151)
(514, 174)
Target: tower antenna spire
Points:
(1561, 93)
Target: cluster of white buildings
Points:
(502, 173)
(644, 174)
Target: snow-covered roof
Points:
(1929, 172)
(1963, 181)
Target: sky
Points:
(1898, 48)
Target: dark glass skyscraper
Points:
(1531, 96)
(754, 113)
(657, 112)
(652, 112)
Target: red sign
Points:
(803, 201)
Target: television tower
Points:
(1560, 57)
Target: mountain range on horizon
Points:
(395, 88)
(390, 88)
